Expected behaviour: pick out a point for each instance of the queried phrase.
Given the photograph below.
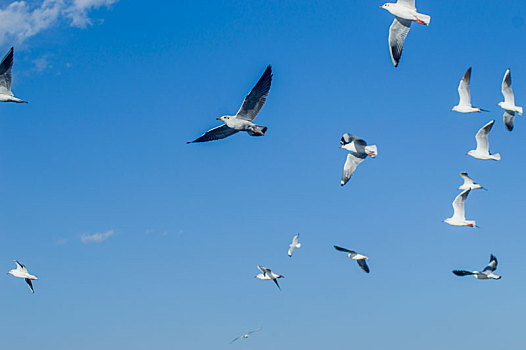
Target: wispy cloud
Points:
(86, 238)
(21, 20)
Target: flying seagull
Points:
(21, 272)
(509, 102)
(459, 211)
(482, 150)
(464, 105)
(5, 79)
(358, 152)
(405, 13)
(267, 274)
(360, 259)
(295, 244)
(243, 120)
(486, 274)
(469, 183)
(245, 336)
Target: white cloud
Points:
(96, 237)
(21, 20)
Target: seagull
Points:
(5, 79)
(405, 13)
(486, 274)
(243, 120)
(267, 274)
(294, 244)
(469, 183)
(360, 259)
(464, 105)
(21, 272)
(245, 336)
(459, 211)
(482, 150)
(358, 152)
(509, 102)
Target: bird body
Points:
(295, 244)
(482, 150)
(459, 212)
(469, 183)
(360, 259)
(486, 274)
(359, 150)
(405, 13)
(267, 274)
(243, 120)
(464, 104)
(246, 335)
(21, 272)
(6, 77)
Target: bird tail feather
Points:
(371, 150)
(496, 156)
(258, 131)
(424, 18)
(519, 110)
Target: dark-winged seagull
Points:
(358, 151)
(267, 274)
(486, 274)
(360, 259)
(21, 272)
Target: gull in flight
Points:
(360, 259)
(469, 183)
(267, 274)
(243, 120)
(486, 274)
(358, 152)
(482, 150)
(21, 272)
(464, 105)
(245, 336)
(5, 79)
(405, 13)
(459, 211)
(294, 244)
(509, 102)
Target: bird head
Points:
(385, 6)
(500, 104)
(470, 153)
(224, 118)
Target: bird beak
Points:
(341, 146)
(218, 118)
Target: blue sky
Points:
(115, 92)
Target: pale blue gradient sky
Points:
(101, 146)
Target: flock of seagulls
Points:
(405, 13)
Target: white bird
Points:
(486, 274)
(464, 105)
(360, 259)
(405, 13)
(243, 120)
(294, 244)
(21, 272)
(469, 183)
(267, 274)
(509, 102)
(459, 212)
(245, 336)
(6, 77)
(482, 150)
(358, 152)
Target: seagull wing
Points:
(463, 89)
(506, 88)
(5, 72)
(459, 210)
(233, 340)
(344, 250)
(277, 284)
(462, 272)
(352, 162)
(363, 265)
(217, 133)
(20, 266)
(263, 269)
(492, 266)
(254, 331)
(482, 137)
(295, 239)
(28, 281)
(407, 3)
(397, 34)
(508, 118)
(467, 180)
(256, 98)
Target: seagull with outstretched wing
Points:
(358, 151)
(486, 274)
(21, 272)
(295, 244)
(360, 259)
(246, 335)
(267, 274)
(464, 103)
(243, 120)
(6, 66)
(459, 211)
(509, 102)
(482, 150)
(405, 13)
(469, 183)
